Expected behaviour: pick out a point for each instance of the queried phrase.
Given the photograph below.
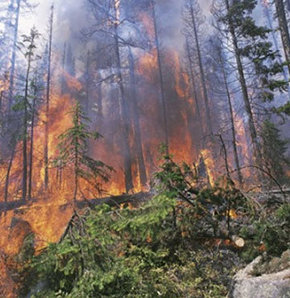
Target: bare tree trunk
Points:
(234, 139)
(284, 30)
(46, 176)
(25, 127)
(100, 99)
(194, 88)
(63, 69)
(202, 74)
(136, 122)
(195, 95)
(13, 58)
(6, 188)
(268, 13)
(252, 128)
(161, 79)
(31, 145)
(124, 111)
(88, 83)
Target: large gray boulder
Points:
(272, 285)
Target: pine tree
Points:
(23, 104)
(73, 152)
(257, 64)
(273, 151)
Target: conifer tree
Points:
(73, 152)
(29, 46)
(273, 151)
(256, 62)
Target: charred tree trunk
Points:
(194, 88)
(242, 80)
(124, 111)
(136, 122)
(13, 58)
(202, 73)
(195, 94)
(268, 13)
(7, 178)
(46, 176)
(284, 29)
(100, 99)
(31, 144)
(161, 78)
(87, 77)
(25, 128)
(233, 129)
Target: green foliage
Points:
(273, 151)
(254, 46)
(272, 230)
(163, 248)
(73, 151)
(285, 109)
(132, 253)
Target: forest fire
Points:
(88, 115)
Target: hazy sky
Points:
(41, 15)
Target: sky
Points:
(40, 16)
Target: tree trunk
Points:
(6, 189)
(195, 95)
(46, 176)
(25, 126)
(87, 78)
(136, 122)
(202, 74)
(284, 30)
(63, 69)
(246, 99)
(194, 88)
(13, 58)
(268, 13)
(31, 145)
(161, 79)
(234, 139)
(124, 112)
(100, 99)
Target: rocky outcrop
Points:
(268, 285)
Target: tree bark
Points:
(136, 122)
(242, 80)
(161, 79)
(202, 73)
(268, 13)
(124, 111)
(233, 129)
(31, 145)
(7, 178)
(195, 95)
(284, 30)
(63, 69)
(48, 82)
(87, 75)
(25, 126)
(13, 58)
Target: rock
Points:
(273, 285)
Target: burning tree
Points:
(73, 149)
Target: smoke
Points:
(73, 16)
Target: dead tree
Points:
(136, 121)
(48, 83)
(161, 77)
(284, 29)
